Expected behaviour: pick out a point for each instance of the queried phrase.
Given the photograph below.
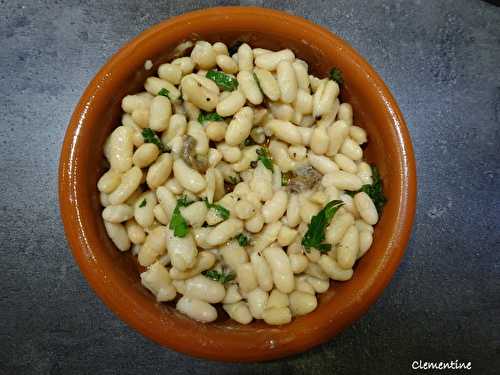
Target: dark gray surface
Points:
(442, 62)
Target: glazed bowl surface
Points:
(115, 276)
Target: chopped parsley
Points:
(243, 240)
(223, 80)
(209, 116)
(177, 223)
(263, 156)
(143, 203)
(315, 234)
(164, 92)
(336, 75)
(221, 211)
(221, 277)
(151, 137)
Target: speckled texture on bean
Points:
(442, 62)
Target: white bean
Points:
(249, 86)
(231, 104)
(358, 134)
(366, 208)
(301, 74)
(285, 131)
(286, 236)
(287, 81)
(233, 254)
(280, 268)
(333, 270)
(109, 181)
(245, 57)
(189, 178)
(135, 232)
(196, 131)
(270, 61)
(153, 246)
(239, 312)
(182, 250)
(232, 295)
(281, 111)
(337, 133)
(298, 263)
(159, 113)
(279, 153)
(157, 280)
(224, 232)
(342, 180)
(145, 155)
(129, 183)
(255, 223)
(143, 209)
(348, 248)
(177, 127)
(193, 91)
(154, 85)
(257, 301)
(171, 73)
(246, 277)
(117, 213)
(274, 209)
(324, 97)
(203, 55)
(227, 64)
(268, 84)
(321, 163)
(262, 272)
(303, 102)
(345, 113)
(216, 130)
(351, 149)
(196, 309)
(195, 213)
(159, 171)
(277, 315)
(302, 303)
(338, 226)
(239, 127)
(365, 242)
(293, 211)
(204, 261)
(118, 235)
(131, 103)
(319, 286)
(204, 289)
(319, 140)
(345, 164)
(185, 64)
(120, 148)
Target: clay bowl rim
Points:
(77, 234)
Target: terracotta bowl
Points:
(115, 276)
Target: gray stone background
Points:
(441, 59)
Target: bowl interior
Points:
(115, 276)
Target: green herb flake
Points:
(315, 234)
(336, 75)
(243, 240)
(221, 211)
(221, 277)
(263, 156)
(164, 92)
(234, 180)
(177, 223)
(223, 80)
(143, 203)
(151, 137)
(209, 116)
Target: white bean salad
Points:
(237, 178)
